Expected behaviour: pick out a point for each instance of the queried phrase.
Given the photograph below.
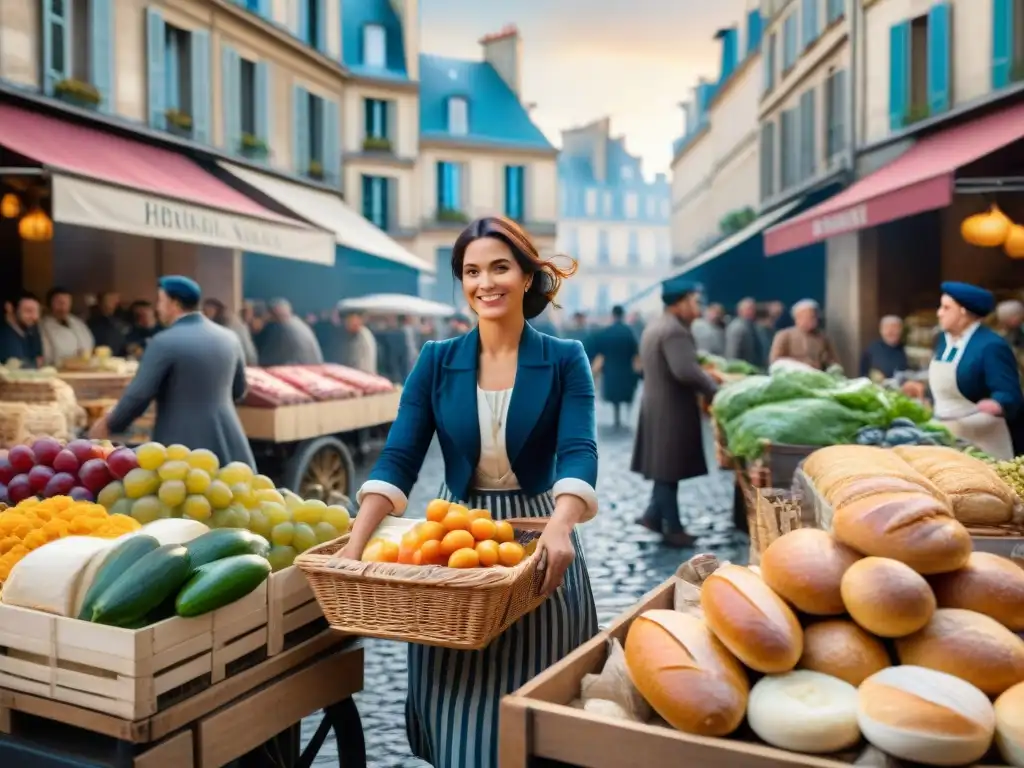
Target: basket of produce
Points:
(12, 423)
(773, 513)
(457, 580)
(722, 457)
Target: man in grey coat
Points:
(669, 443)
(742, 339)
(194, 370)
(287, 339)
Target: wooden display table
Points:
(253, 717)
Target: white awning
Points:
(330, 212)
(397, 304)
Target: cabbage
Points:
(738, 397)
(803, 421)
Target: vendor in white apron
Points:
(973, 379)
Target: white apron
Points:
(962, 417)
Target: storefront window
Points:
(247, 86)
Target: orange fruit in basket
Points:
(456, 519)
(380, 551)
(417, 557)
(431, 531)
(488, 553)
(464, 558)
(510, 553)
(503, 532)
(483, 529)
(430, 552)
(409, 547)
(476, 514)
(457, 540)
(437, 509)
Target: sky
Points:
(632, 60)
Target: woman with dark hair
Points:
(528, 449)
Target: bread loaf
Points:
(925, 716)
(804, 711)
(857, 488)
(977, 494)
(886, 597)
(843, 473)
(988, 584)
(685, 673)
(1010, 725)
(840, 648)
(751, 620)
(913, 528)
(805, 567)
(969, 645)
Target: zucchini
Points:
(143, 586)
(118, 561)
(225, 542)
(220, 583)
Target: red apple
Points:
(59, 485)
(19, 489)
(38, 477)
(95, 475)
(78, 493)
(66, 461)
(83, 450)
(121, 462)
(22, 458)
(7, 472)
(46, 450)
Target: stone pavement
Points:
(625, 561)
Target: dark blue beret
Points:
(975, 300)
(676, 288)
(184, 289)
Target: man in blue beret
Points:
(194, 370)
(669, 443)
(973, 378)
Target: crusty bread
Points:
(886, 597)
(988, 584)
(805, 567)
(840, 648)
(1010, 725)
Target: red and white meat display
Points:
(315, 384)
(268, 391)
(365, 383)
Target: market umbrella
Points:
(397, 304)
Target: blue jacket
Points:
(551, 433)
(988, 370)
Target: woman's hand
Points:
(556, 552)
(991, 407)
(372, 510)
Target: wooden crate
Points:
(293, 612)
(302, 421)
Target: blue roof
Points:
(355, 16)
(496, 116)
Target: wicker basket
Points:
(429, 604)
(12, 424)
(774, 513)
(723, 458)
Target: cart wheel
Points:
(320, 467)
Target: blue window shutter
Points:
(261, 101)
(809, 17)
(1002, 43)
(332, 142)
(300, 129)
(156, 62)
(442, 185)
(367, 197)
(201, 97)
(303, 31)
(101, 38)
(899, 74)
(455, 176)
(321, 27)
(231, 74)
(938, 57)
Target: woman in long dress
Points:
(527, 449)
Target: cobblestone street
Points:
(624, 561)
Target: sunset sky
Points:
(633, 60)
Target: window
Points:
(607, 203)
(178, 79)
(572, 242)
(790, 43)
(767, 160)
(515, 192)
(603, 255)
(81, 48)
(808, 133)
(835, 114)
(374, 46)
(770, 54)
(918, 106)
(834, 11)
(68, 44)
(376, 118)
(664, 209)
(247, 93)
(633, 249)
(316, 131)
(789, 149)
(449, 188)
(920, 73)
(652, 207)
(314, 23)
(603, 301)
(458, 116)
(591, 202)
(809, 14)
(632, 205)
(376, 208)
(664, 246)
(317, 136)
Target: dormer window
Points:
(458, 116)
(374, 46)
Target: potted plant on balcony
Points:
(253, 147)
(376, 144)
(916, 114)
(77, 92)
(178, 123)
(315, 170)
(452, 216)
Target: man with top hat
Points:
(669, 443)
(973, 378)
(194, 370)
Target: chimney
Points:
(503, 51)
(730, 51)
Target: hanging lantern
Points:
(35, 226)
(10, 206)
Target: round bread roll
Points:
(887, 597)
(842, 649)
(804, 711)
(914, 528)
(805, 567)
(988, 584)
(1010, 725)
(685, 673)
(751, 621)
(925, 716)
(971, 646)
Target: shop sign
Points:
(849, 220)
(168, 216)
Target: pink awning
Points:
(919, 180)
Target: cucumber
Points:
(143, 586)
(120, 559)
(220, 583)
(225, 542)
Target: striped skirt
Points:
(452, 709)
